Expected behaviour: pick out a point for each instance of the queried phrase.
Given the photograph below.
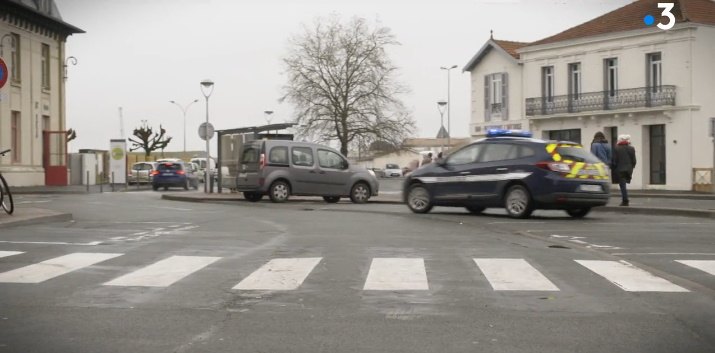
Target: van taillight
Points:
(262, 161)
(558, 167)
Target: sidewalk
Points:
(674, 204)
(31, 215)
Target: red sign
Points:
(3, 73)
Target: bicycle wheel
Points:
(6, 200)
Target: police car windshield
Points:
(576, 154)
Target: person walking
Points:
(601, 149)
(624, 161)
(427, 159)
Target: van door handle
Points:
(465, 173)
(502, 169)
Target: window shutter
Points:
(487, 107)
(505, 96)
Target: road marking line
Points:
(10, 253)
(54, 267)
(163, 273)
(92, 243)
(280, 274)
(397, 274)
(630, 278)
(703, 265)
(514, 274)
(663, 253)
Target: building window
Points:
(611, 76)
(45, 66)
(655, 72)
(575, 80)
(15, 58)
(572, 135)
(15, 136)
(496, 90)
(547, 83)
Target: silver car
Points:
(141, 172)
(279, 168)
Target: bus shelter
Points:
(230, 148)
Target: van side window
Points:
(302, 156)
(329, 159)
(278, 155)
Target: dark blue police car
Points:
(511, 169)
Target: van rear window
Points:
(170, 166)
(250, 155)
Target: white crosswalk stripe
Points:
(165, 272)
(629, 277)
(397, 274)
(54, 267)
(703, 265)
(280, 274)
(9, 253)
(514, 274)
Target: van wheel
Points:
(578, 212)
(279, 191)
(360, 193)
(419, 199)
(475, 209)
(517, 202)
(331, 199)
(252, 196)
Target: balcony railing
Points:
(643, 97)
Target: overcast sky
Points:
(140, 54)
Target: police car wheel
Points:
(517, 202)
(419, 199)
(578, 212)
(475, 209)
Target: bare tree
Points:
(342, 84)
(148, 140)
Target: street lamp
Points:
(184, 109)
(440, 107)
(207, 87)
(73, 61)
(449, 101)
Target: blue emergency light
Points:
(508, 133)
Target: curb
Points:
(685, 212)
(61, 217)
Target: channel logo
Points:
(667, 7)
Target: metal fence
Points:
(642, 97)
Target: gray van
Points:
(280, 168)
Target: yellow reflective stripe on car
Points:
(556, 157)
(551, 147)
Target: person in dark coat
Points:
(601, 148)
(624, 161)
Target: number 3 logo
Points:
(667, 8)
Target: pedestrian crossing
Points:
(384, 274)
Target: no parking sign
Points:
(3, 73)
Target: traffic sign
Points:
(203, 131)
(3, 73)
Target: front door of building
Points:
(54, 157)
(657, 154)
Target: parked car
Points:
(202, 167)
(380, 173)
(392, 170)
(141, 172)
(175, 174)
(512, 170)
(280, 169)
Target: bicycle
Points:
(5, 195)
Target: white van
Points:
(202, 165)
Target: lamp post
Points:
(449, 102)
(184, 109)
(440, 107)
(207, 87)
(73, 61)
(267, 116)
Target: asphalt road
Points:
(311, 277)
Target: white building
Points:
(616, 75)
(32, 102)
